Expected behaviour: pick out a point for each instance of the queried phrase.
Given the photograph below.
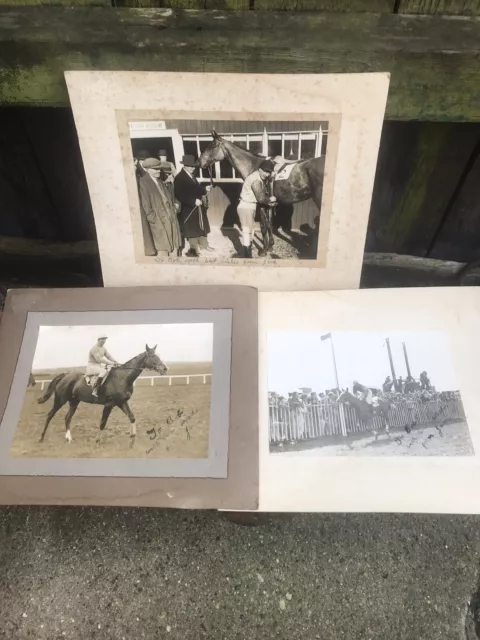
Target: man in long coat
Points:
(158, 207)
(193, 213)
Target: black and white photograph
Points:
(221, 190)
(357, 393)
(118, 391)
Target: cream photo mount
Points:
(353, 104)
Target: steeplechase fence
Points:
(336, 419)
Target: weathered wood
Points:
(53, 141)
(459, 236)
(433, 60)
(419, 167)
(452, 7)
(65, 3)
(357, 6)
(392, 270)
(223, 5)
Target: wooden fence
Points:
(336, 419)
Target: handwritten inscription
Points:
(234, 262)
(178, 419)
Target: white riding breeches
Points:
(246, 212)
(95, 369)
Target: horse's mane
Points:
(241, 146)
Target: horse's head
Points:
(344, 396)
(153, 362)
(215, 152)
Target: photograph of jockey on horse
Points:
(72, 366)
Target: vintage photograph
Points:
(221, 190)
(352, 393)
(118, 391)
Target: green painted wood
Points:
(64, 3)
(418, 171)
(356, 6)
(452, 7)
(433, 61)
(223, 5)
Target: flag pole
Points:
(334, 361)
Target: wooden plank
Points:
(54, 144)
(65, 3)
(356, 6)
(433, 60)
(459, 237)
(223, 5)
(419, 167)
(452, 7)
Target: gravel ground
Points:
(292, 245)
(112, 573)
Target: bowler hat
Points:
(162, 152)
(188, 160)
(102, 337)
(152, 163)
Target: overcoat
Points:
(158, 207)
(193, 220)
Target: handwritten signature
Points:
(180, 418)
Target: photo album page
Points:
(369, 400)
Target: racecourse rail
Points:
(337, 419)
(152, 379)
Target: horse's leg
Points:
(264, 229)
(68, 418)
(107, 410)
(128, 412)
(57, 405)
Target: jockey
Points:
(99, 362)
(363, 392)
(254, 192)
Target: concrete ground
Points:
(126, 573)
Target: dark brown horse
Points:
(116, 391)
(366, 412)
(305, 180)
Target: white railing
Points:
(152, 379)
(335, 419)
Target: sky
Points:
(69, 346)
(301, 359)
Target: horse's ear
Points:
(154, 348)
(214, 134)
(147, 348)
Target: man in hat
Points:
(158, 206)
(168, 168)
(254, 192)
(193, 213)
(99, 362)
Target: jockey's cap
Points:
(267, 166)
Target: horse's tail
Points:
(50, 389)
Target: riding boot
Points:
(247, 251)
(96, 387)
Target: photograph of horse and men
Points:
(228, 189)
(136, 391)
(364, 394)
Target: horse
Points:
(304, 182)
(115, 391)
(366, 412)
(31, 380)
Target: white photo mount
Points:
(354, 104)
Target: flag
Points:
(326, 336)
